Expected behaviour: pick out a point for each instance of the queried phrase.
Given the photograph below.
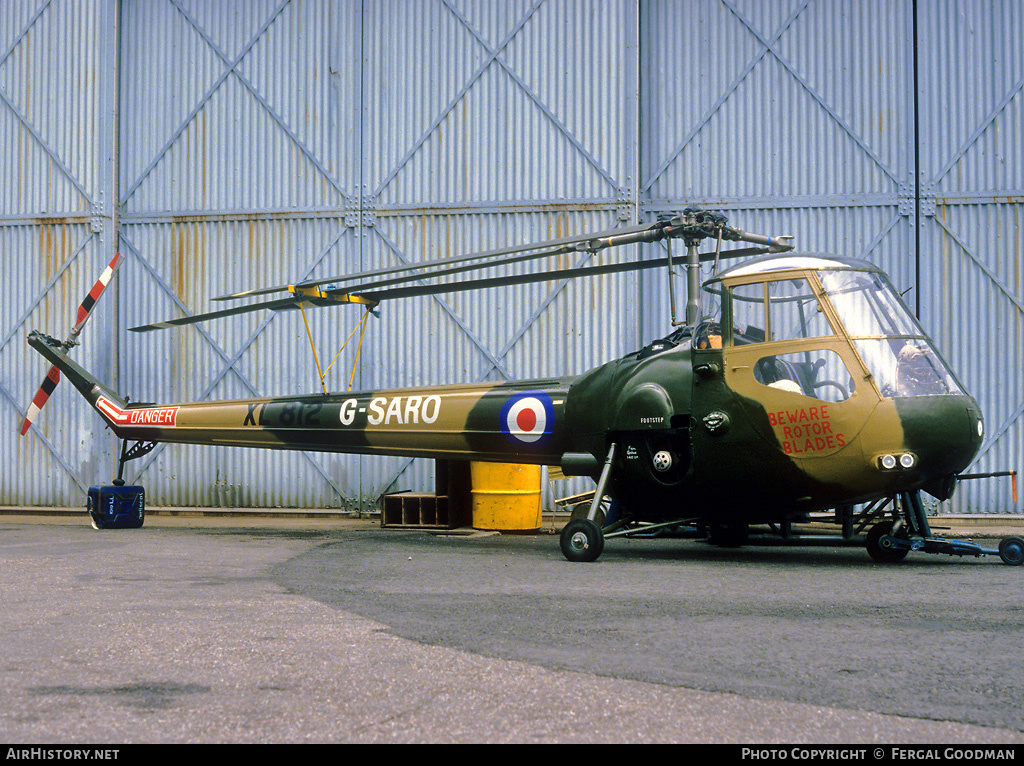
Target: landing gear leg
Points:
(889, 542)
(582, 539)
(137, 450)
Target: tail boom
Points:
(502, 422)
(56, 353)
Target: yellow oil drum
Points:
(506, 496)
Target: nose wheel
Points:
(882, 547)
(888, 542)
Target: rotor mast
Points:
(694, 225)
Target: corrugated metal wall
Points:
(263, 142)
(240, 129)
(55, 235)
(496, 146)
(796, 117)
(971, 90)
(823, 119)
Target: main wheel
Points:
(880, 552)
(581, 540)
(1011, 551)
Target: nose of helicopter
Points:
(943, 434)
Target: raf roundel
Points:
(528, 418)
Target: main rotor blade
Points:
(515, 279)
(547, 246)
(366, 291)
(281, 303)
(84, 312)
(372, 287)
(370, 293)
(435, 273)
(300, 297)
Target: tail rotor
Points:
(84, 311)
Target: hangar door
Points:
(56, 235)
(264, 143)
(816, 119)
(240, 144)
(744, 112)
(971, 224)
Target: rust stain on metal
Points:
(205, 160)
(54, 245)
(179, 282)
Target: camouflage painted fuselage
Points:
(788, 414)
(498, 422)
(746, 453)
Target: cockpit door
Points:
(794, 372)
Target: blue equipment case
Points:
(122, 507)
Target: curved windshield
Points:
(868, 305)
(907, 367)
(887, 336)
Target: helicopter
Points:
(796, 384)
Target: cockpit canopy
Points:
(787, 301)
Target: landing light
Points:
(904, 460)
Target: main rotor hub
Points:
(700, 224)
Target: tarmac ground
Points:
(311, 628)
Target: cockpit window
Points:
(748, 315)
(906, 367)
(794, 312)
(888, 338)
(784, 309)
(819, 374)
(867, 304)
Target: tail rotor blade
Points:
(94, 295)
(49, 383)
(84, 312)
